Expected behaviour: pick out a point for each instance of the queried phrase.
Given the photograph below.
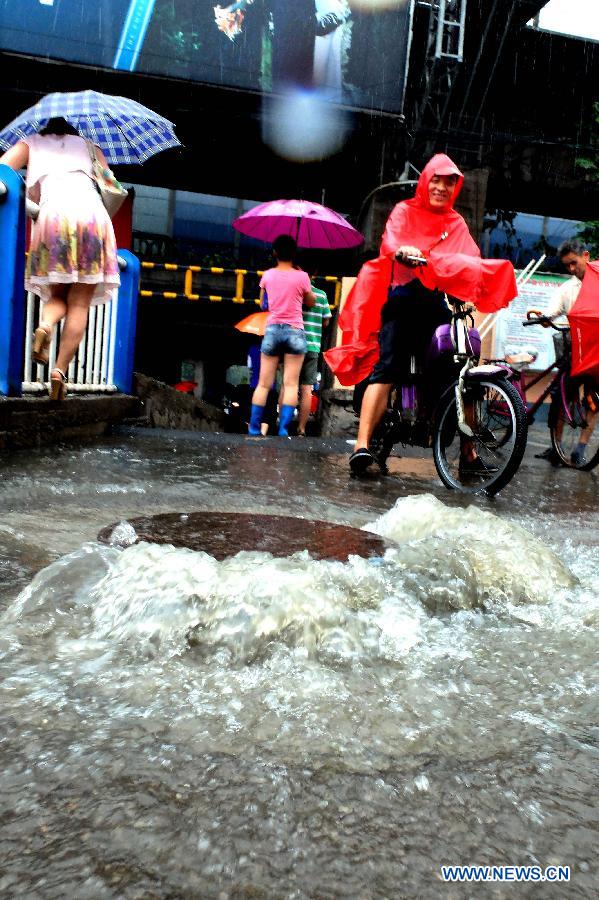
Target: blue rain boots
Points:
(285, 417)
(256, 420)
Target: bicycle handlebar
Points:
(545, 320)
(413, 260)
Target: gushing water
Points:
(179, 726)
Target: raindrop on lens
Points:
(304, 126)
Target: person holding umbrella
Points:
(288, 290)
(72, 262)
(292, 224)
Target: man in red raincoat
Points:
(397, 303)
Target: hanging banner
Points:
(511, 337)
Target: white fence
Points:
(92, 369)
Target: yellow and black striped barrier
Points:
(240, 274)
(171, 295)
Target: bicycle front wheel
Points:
(574, 424)
(497, 416)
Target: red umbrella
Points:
(584, 325)
(255, 323)
(311, 224)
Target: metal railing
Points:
(104, 359)
(92, 369)
(188, 292)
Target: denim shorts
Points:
(281, 339)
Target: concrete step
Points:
(33, 421)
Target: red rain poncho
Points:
(454, 266)
(584, 325)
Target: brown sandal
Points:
(58, 386)
(40, 351)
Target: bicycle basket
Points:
(562, 344)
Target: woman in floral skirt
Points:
(72, 261)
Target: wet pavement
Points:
(177, 725)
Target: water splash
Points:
(123, 535)
(158, 599)
(469, 557)
(257, 700)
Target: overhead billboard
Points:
(354, 51)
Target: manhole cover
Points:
(224, 534)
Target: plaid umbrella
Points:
(125, 130)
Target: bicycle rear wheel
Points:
(497, 417)
(574, 420)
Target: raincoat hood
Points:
(440, 164)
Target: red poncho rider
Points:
(395, 306)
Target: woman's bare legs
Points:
(55, 308)
(268, 370)
(78, 300)
(51, 313)
(292, 367)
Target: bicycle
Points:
(574, 401)
(450, 405)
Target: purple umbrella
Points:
(311, 224)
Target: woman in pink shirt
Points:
(288, 289)
(72, 261)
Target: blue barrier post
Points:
(12, 291)
(126, 319)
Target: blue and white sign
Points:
(511, 337)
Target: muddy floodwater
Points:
(177, 725)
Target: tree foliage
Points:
(589, 231)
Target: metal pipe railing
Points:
(188, 292)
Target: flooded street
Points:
(176, 726)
